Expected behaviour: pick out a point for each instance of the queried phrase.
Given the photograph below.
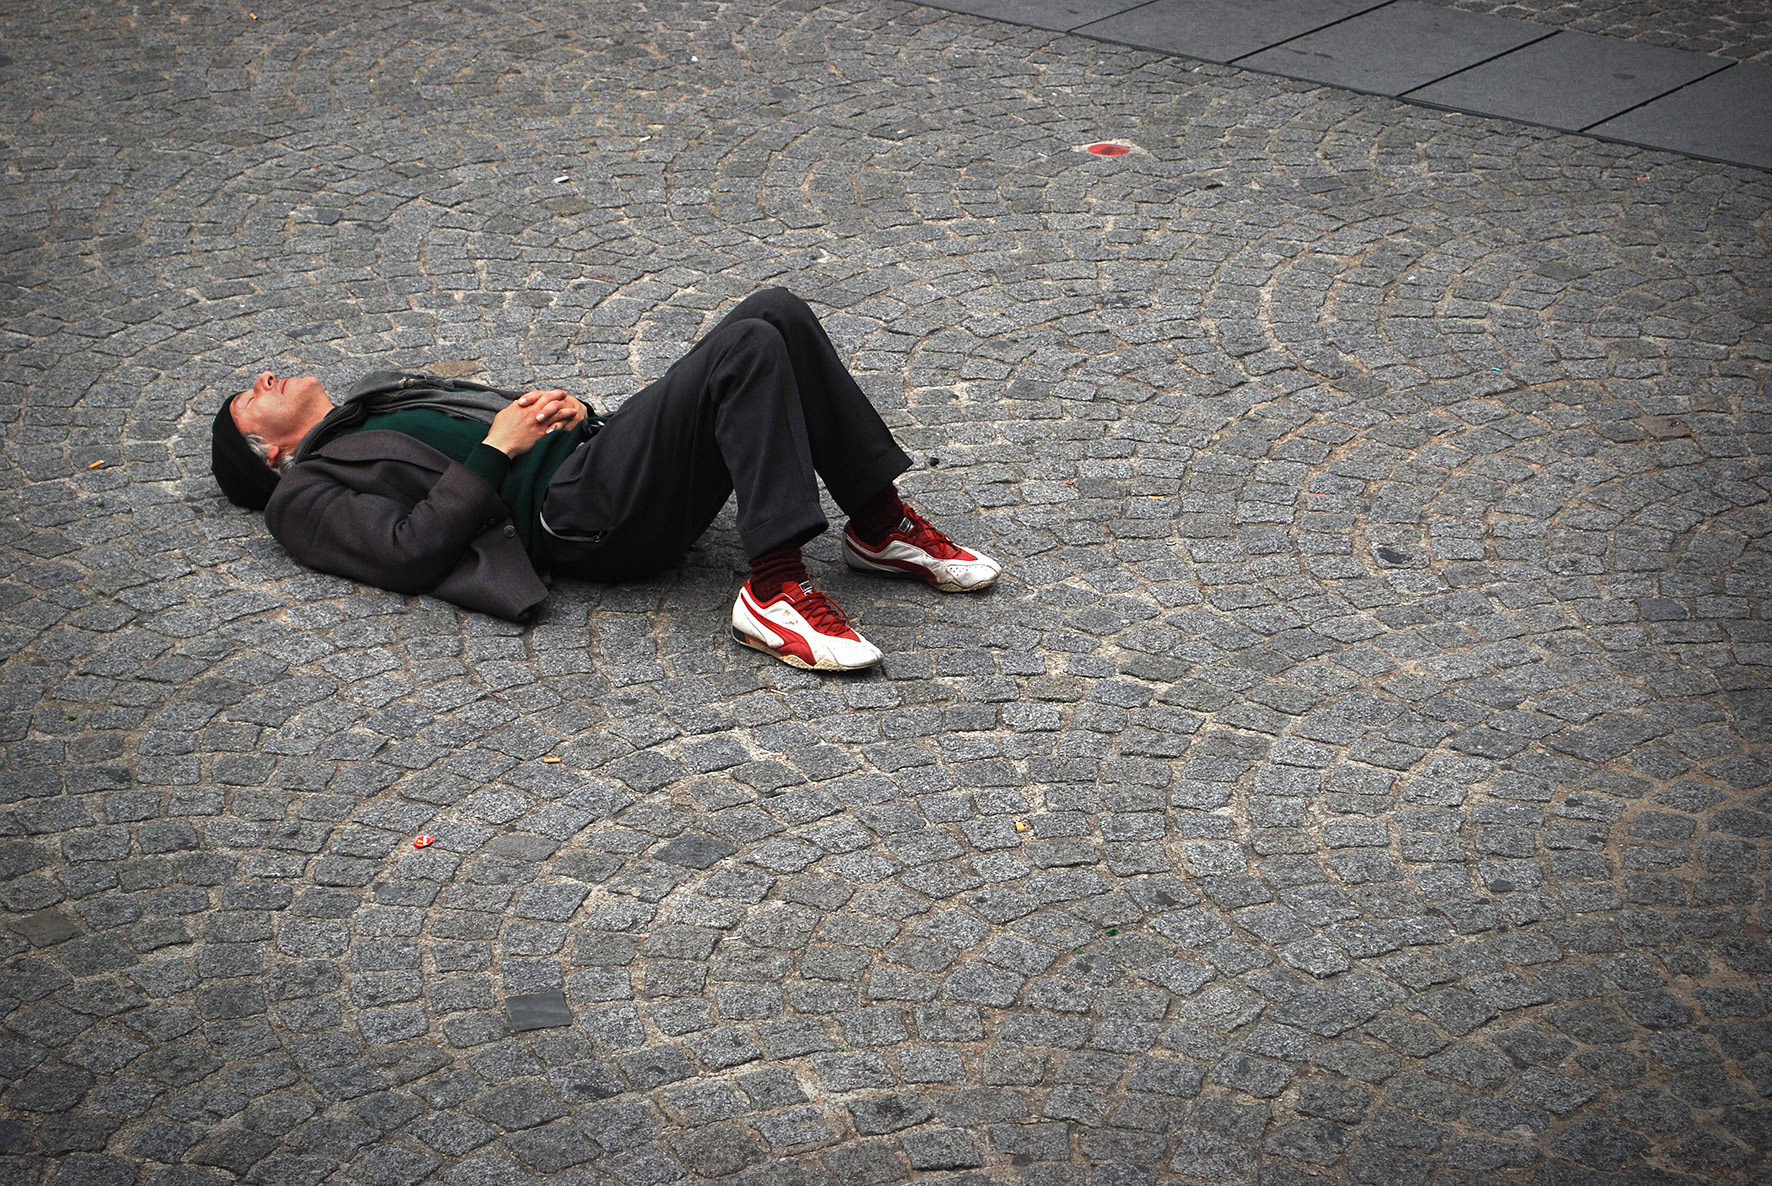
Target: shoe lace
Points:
(825, 615)
(923, 534)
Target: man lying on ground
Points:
(421, 484)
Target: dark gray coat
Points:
(387, 509)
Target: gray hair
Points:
(262, 450)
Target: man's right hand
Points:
(524, 421)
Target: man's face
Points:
(280, 411)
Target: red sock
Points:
(775, 568)
(878, 515)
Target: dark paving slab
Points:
(1738, 29)
(1727, 116)
(1396, 48)
(694, 852)
(1570, 81)
(1217, 31)
(537, 1010)
(1063, 15)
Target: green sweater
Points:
(521, 482)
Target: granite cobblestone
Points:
(1359, 776)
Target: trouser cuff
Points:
(790, 530)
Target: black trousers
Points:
(762, 406)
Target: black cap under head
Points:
(242, 474)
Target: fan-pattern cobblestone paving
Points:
(1359, 776)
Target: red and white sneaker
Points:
(916, 549)
(802, 627)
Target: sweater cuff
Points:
(489, 465)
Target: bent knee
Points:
(778, 303)
(752, 333)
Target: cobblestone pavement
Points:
(1361, 773)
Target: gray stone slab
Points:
(1571, 81)
(1727, 116)
(538, 1010)
(45, 928)
(1221, 30)
(1062, 15)
(1396, 48)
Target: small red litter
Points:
(423, 841)
(1109, 149)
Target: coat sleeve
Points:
(326, 522)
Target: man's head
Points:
(256, 432)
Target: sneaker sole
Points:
(915, 571)
(757, 644)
